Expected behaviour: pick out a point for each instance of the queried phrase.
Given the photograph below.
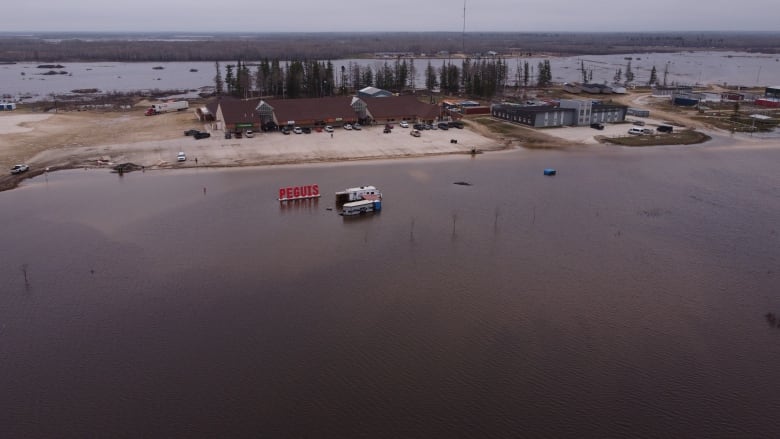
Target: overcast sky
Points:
(396, 15)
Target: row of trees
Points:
(482, 77)
(162, 47)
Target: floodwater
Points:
(687, 68)
(632, 295)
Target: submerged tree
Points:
(544, 74)
(653, 77)
(629, 73)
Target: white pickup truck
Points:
(18, 169)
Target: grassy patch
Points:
(510, 132)
(684, 137)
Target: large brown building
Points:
(232, 114)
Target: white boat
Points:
(357, 194)
(361, 207)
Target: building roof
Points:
(237, 110)
(510, 108)
(316, 109)
(400, 106)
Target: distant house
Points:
(308, 111)
(373, 92)
(269, 114)
(638, 112)
(536, 116)
(772, 92)
(596, 88)
(588, 111)
(569, 112)
(233, 114)
(660, 91)
(398, 108)
(618, 89)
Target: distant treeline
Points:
(482, 77)
(171, 47)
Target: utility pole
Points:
(463, 36)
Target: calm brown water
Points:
(625, 297)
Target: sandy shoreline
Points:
(55, 141)
(86, 139)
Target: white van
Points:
(635, 131)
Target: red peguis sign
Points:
(299, 192)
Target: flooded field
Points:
(630, 295)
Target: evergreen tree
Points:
(343, 81)
(584, 72)
(368, 77)
(219, 84)
(453, 79)
(629, 73)
(544, 75)
(294, 79)
(277, 78)
(262, 76)
(430, 77)
(329, 79)
(618, 76)
(230, 80)
(653, 77)
(443, 77)
(243, 80)
(402, 77)
(526, 73)
(412, 74)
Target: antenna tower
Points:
(463, 36)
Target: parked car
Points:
(357, 127)
(306, 130)
(201, 135)
(404, 124)
(191, 132)
(329, 128)
(297, 130)
(285, 131)
(456, 124)
(389, 126)
(598, 126)
(347, 126)
(181, 157)
(419, 126)
(249, 134)
(415, 133)
(228, 135)
(443, 126)
(665, 128)
(387, 130)
(18, 169)
(636, 131)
